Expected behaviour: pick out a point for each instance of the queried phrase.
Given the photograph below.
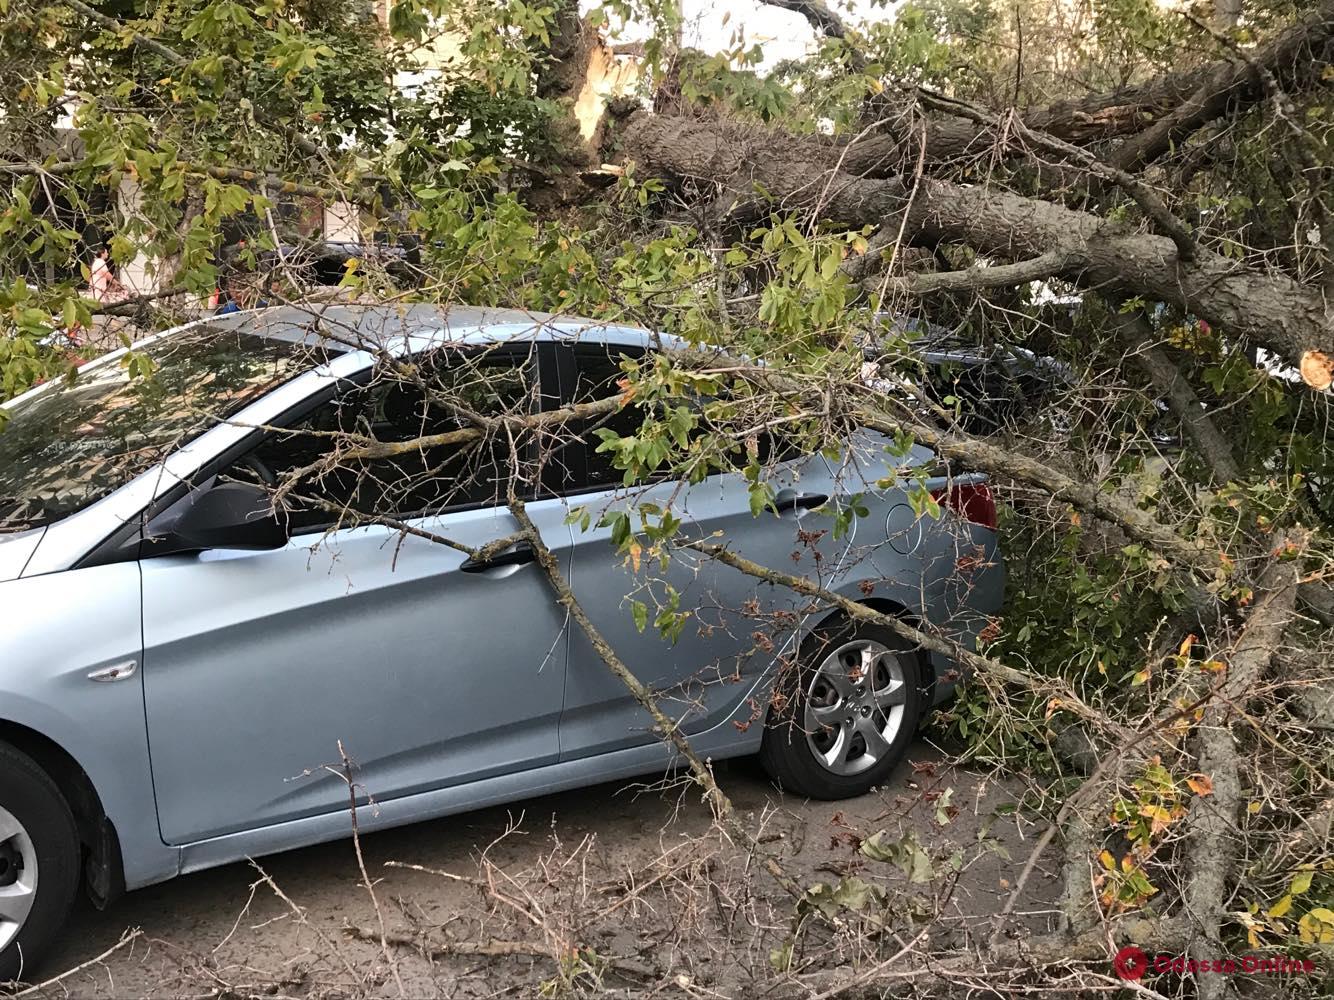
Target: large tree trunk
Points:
(1267, 308)
(1226, 14)
(579, 79)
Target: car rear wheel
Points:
(39, 863)
(848, 713)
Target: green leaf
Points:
(943, 807)
(907, 854)
(759, 498)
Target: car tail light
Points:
(971, 501)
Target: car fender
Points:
(71, 675)
(958, 591)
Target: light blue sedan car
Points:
(181, 657)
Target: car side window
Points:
(422, 466)
(597, 373)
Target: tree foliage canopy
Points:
(1140, 192)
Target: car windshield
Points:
(73, 443)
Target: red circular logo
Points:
(1130, 962)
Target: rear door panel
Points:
(738, 625)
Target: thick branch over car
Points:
(763, 169)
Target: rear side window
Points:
(595, 372)
(431, 468)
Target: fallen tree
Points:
(1177, 219)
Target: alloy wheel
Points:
(854, 706)
(18, 876)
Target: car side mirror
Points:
(227, 516)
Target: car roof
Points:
(359, 333)
(404, 329)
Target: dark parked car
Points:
(988, 385)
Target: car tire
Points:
(832, 733)
(37, 831)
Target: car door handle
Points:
(800, 501)
(517, 556)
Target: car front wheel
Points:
(847, 713)
(39, 863)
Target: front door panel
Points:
(258, 663)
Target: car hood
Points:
(16, 550)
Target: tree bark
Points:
(1211, 823)
(1227, 13)
(816, 12)
(1166, 378)
(1297, 59)
(1265, 307)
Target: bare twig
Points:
(127, 938)
(346, 774)
(665, 727)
